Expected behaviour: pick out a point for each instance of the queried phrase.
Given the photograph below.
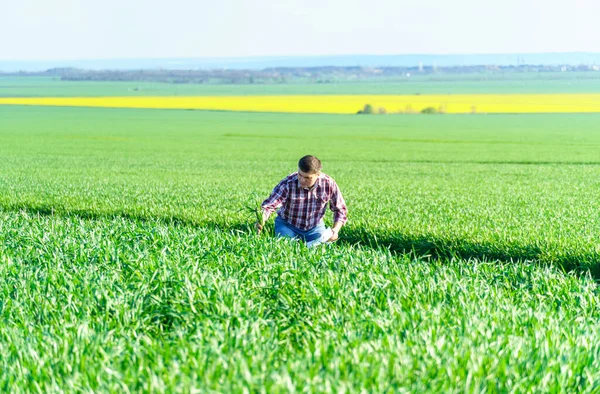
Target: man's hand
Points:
(336, 232)
(334, 235)
(258, 227)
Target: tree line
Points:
(298, 74)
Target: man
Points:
(302, 198)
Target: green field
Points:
(469, 262)
(440, 83)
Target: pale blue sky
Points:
(101, 29)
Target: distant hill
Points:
(258, 63)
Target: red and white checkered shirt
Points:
(304, 208)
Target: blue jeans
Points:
(284, 229)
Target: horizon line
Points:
(257, 57)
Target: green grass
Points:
(127, 262)
(575, 82)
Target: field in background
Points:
(127, 260)
(509, 83)
(571, 92)
(348, 104)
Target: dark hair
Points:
(310, 164)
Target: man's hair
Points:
(310, 164)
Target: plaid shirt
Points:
(303, 208)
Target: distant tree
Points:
(367, 110)
(429, 110)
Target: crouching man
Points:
(302, 199)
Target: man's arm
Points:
(340, 212)
(270, 205)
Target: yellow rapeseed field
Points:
(346, 104)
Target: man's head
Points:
(309, 169)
